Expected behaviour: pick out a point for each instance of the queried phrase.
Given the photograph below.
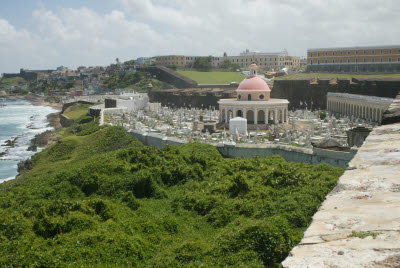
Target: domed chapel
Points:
(253, 102)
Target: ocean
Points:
(22, 120)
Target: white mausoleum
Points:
(253, 102)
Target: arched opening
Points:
(261, 117)
(249, 97)
(250, 117)
(223, 119)
(239, 113)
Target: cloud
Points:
(82, 36)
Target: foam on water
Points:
(22, 120)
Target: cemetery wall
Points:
(313, 156)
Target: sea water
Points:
(22, 120)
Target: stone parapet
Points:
(358, 225)
(392, 115)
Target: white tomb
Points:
(238, 123)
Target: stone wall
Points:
(65, 121)
(169, 76)
(316, 89)
(358, 225)
(392, 114)
(313, 156)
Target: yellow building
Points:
(354, 59)
(170, 60)
(268, 61)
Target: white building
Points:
(361, 106)
(253, 102)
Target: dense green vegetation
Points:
(214, 77)
(334, 75)
(98, 197)
(137, 81)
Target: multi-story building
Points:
(266, 60)
(170, 60)
(354, 59)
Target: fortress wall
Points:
(307, 89)
(358, 225)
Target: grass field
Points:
(333, 75)
(77, 110)
(213, 77)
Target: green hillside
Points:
(99, 198)
(213, 77)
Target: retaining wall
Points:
(289, 153)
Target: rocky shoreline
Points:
(41, 140)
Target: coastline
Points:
(40, 140)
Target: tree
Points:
(130, 62)
(235, 66)
(202, 64)
(226, 64)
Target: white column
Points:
(244, 113)
(275, 115)
(282, 115)
(266, 116)
(255, 116)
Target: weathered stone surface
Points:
(366, 199)
(392, 115)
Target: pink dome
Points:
(253, 83)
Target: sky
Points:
(49, 33)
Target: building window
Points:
(261, 97)
(348, 60)
(381, 60)
(373, 60)
(390, 59)
(318, 61)
(311, 62)
(341, 60)
(239, 97)
(365, 52)
(356, 60)
(398, 59)
(318, 54)
(348, 52)
(390, 51)
(356, 52)
(381, 51)
(326, 61)
(333, 53)
(365, 60)
(249, 97)
(333, 61)
(341, 52)
(326, 53)
(373, 51)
